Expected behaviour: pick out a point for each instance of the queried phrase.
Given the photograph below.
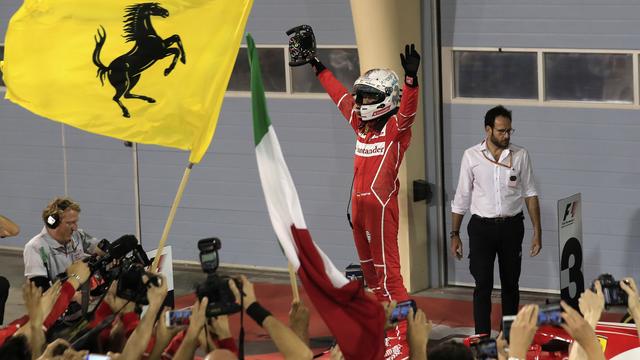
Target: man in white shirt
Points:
(495, 180)
(59, 244)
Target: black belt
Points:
(499, 220)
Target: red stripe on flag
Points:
(355, 319)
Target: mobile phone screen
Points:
(97, 357)
(506, 325)
(402, 310)
(177, 317)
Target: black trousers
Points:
(4, 295)
(486, 240)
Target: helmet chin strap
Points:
(378, 123)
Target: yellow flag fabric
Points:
(152, 73)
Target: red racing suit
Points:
(378, 156)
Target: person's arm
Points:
(299, 320)
(533, 207)
(285, 340)
(34, 267)
(340, 96)
(164, 335)
(460, 204)
(189, 344)
(502, 346)
(591, 305)
(8, 227)
(31, 295)
(222, 331)
(137, 343)
(456, 243)
(289, 345)
(522, 331)
(418, 329)
(530, 194)
(630, 287)
(89, 243)
(580, 330)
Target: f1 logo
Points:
(570, 209)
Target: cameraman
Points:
(59, 244)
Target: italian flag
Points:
(355, 319)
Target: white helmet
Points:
(383, 86)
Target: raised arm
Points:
(287, 342)
(409, 103)
(8, 227)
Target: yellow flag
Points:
(152, 73)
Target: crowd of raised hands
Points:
(129, 336)
(581, 327)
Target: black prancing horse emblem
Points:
(125, 70)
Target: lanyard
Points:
(510, 156)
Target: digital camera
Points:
(124, 260)
(614, 295)
(131, 283)
(215, 287)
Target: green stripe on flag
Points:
(261, 120)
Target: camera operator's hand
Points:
(198, 317)
(116, 303)
(418, 329)
(249, 294)
(388, 310)
(220, 327)
(592, 304)
(579, 329)
(522, 331)
(299, 320)
(156, 294)
(78, 273)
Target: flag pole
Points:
(294, 283)
(172, 214)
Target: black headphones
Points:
(53, 220)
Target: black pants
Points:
(486, 239)
(4, 295)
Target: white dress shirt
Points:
(492, 190)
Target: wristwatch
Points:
(454, 233)
(75, 276)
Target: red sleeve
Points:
(227, 344)
(8, 331)
(408, 105)
(66, 294)
(174, 345)
(340, 97)
(130, 321)
(102, 312)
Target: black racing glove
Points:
(410, 63)
(317, 65)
